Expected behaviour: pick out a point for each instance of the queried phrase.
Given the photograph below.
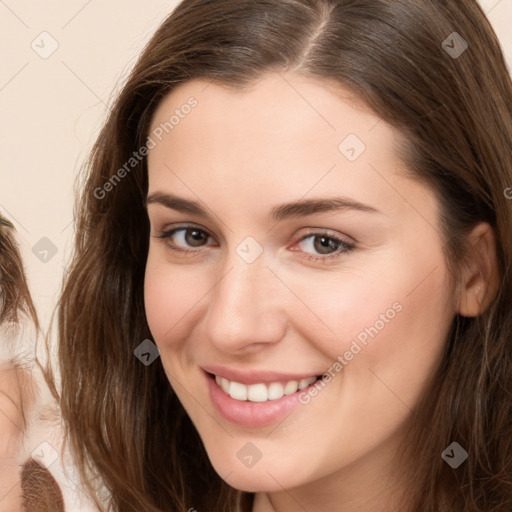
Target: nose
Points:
(246, 308)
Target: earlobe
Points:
(480, 277)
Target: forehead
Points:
(323, 103)
(283, 137)
(281, 116)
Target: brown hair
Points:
(126, 425)
(14, 293)
(41, 492)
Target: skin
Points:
(239, 154)
(14, 388)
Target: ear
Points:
(480, 275)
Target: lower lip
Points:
(251, 414)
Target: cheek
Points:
(172, 297)
(164, 297)
(401, 304)
(396, 333)
(389, 326)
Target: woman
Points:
(291, 285)
(25, 485)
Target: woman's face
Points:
(259, 274)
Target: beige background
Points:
(52, 108)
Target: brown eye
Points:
(325, 245)
(322, 244)
(185, 238)
(195, 237)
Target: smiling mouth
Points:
(262, 392)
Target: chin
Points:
(262, 477)
(248, 481)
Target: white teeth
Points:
(257, 393)
(225, 384)
(261, 392)
(237, 391)
(291, 387)
(304, 383)
(275, 391)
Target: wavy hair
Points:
(126, 427)
(14, 293)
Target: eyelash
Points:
(346, 247)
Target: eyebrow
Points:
(300, 208)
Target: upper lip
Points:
(255, 376)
